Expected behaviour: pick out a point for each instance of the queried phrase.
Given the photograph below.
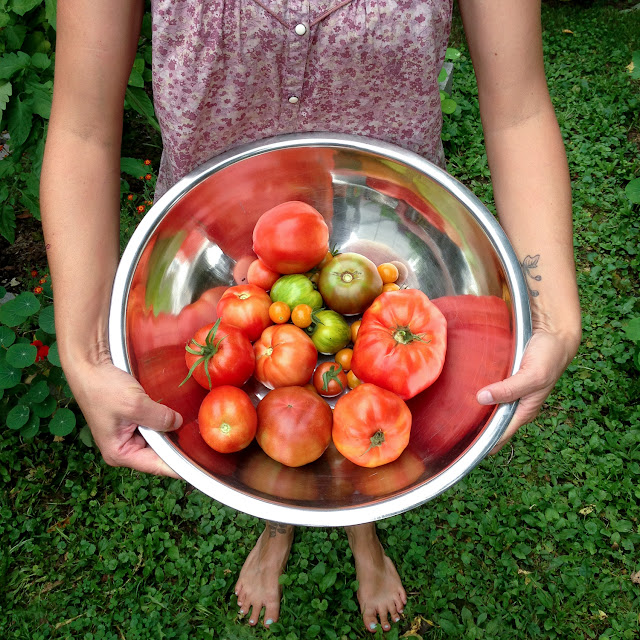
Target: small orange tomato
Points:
(326, 260)
(388, 272)
(352, 380)
(301, 315)
(279, 312)
(343, 358)
(354, 330)
(390, 286)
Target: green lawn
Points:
(540, 541)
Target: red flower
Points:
(147, 162)
(43, 350)
(34, 273)
(38, 290)
(140, 208)
(43, 280)
(130, 196)
(148, 176)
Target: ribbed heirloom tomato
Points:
(246, 306)
(291, 238)
(401, 343)
(371, 426)
(285, 356)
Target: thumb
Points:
(517, 386)
(154, 415)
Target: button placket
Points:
(297, 51)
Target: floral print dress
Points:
(228, 72)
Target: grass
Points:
(540, 541)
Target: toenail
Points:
(269, 621)
(251, 621)
(242, 611)
(397, 620)
(372, 625)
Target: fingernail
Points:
(485, 397)
(269, 621)
(372, 626)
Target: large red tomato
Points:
(371, 426)
(285, 356)
(247, 307)
(291, 238)
(227, 419)
(294, 425)
(220, 354)
(401, 343)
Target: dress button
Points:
(294, 99)
(300, 29)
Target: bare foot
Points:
(381, 595)
(257, 586)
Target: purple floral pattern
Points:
(228, 72)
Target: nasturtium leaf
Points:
(26, 304)
(37, 393)
(448, 105)
(63, 422)
(45, 408)
(632, 329)
(452, 54)
(632, 190)
(18, 417)
(7, 336)
(32, 427)
(9, 376)
(10, 314)
(86, 437)
(53, 356)
(21, 355)
(442, 76)
(46, 320)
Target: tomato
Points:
(343, 358)
(352, 380)
(260, 275)
(246, 307)
(291, 238)
(390, 286)
(295, 289)
(241, 269)
(285, 356)
(401, 344)
(329, 379)
(331, 332)
(371, 426)
(388, 272)
(279, 312)
(191, 444)
(301, 315)
(219, 354)
(355, 327)
(349, 283)
(294, 425)
(227, 419)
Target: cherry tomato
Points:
(301, 315)
(355, 327)
(227, 419)
(260, 275)
(401, 343)
(371, 425)
(294, 425)
(329, 379)
(285, 356)
(246, 306)
(219, 354)
(343, 358)
(352, 380)
(388, 272)
(279, 312)
(389, 286)
(291, 238)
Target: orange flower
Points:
(38, 290)
(130, 196)
(43, 280)
(140, 208)
(34, 273)
(147, 162)
(148, 176)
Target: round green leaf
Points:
(21, 355)
(53, 356)
(26, 304)
(10, 314)
(31, 429)
(86, 437)
(7, 336)
(448, 106)
(63, 422)
(633, 191)
(9, 377)
(37, 393)
(46, 320)
(45, 408)
(18, 417)
(632, 329)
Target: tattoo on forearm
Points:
(528, 264)
(275, 528)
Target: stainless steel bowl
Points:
(379, 200)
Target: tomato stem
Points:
(206, 351)
(225, 427)
(404, 335)
(332, 374)
(376, 440)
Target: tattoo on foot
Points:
(528, 264)
(275, 528)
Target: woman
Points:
(236, 71)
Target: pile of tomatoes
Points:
(311, 324)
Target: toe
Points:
(383, 614)
(271, 612)
(370, 619)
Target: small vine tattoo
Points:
(528, 264)
(276, 527)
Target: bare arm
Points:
(80, 197)
(531, 188)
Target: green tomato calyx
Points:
(404, 335)
(332, 374)
(205, 352)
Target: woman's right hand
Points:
(114, 404)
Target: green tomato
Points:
(295, 289)
(349, 283)
(331, 332)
